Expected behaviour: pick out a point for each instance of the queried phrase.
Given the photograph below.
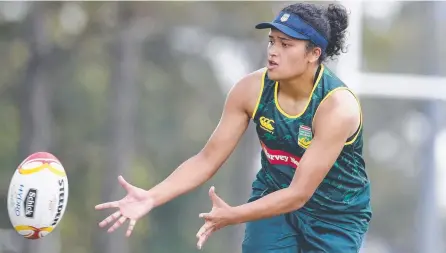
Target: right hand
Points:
(133, 206)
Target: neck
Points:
(300, 86)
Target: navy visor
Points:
(293, 26)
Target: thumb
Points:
(216, 200)
(205, 215)
(124, 183)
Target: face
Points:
(288, 57)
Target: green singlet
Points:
(342, 200)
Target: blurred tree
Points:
(126, 50)
(35, 104)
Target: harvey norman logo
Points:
(279, 157)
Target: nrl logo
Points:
(284, 17)
(304, 137)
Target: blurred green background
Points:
(135, 88)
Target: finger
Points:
(211, 192)
(204, 238)
(207, 226)
(202, 230)
(201, 241)
(109, 219)
(130, 228)
(206, 216)
(215, 198)
(113, 204)
(123, 183)
(117, 224)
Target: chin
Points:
(276, 76)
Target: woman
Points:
(312, 193)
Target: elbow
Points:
(298, 199)
(207, 163)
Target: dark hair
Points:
(331, 22)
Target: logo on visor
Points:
(284, 17)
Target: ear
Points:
(315, 54)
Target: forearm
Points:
(276, 203)
(190, 174)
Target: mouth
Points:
(272, 64)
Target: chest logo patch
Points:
(304, 137)
(266, 124)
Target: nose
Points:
(272, 50)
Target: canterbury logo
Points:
(266, 124)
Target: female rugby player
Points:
(312, 193)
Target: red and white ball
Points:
(37, 195)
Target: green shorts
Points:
(298, 232)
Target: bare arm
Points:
(336, 120)
(199, 168)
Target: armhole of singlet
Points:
(356, 134)
(352, 138)
(259, 96)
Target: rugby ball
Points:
(37, 195)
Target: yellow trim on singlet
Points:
(260, 95)
(360, 112)
(276, 100)
(360, 119)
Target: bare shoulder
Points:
(247, 90)
(343, 100)
(342, 109)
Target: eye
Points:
(285, 45)
(271, 42)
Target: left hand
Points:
(219, 217)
